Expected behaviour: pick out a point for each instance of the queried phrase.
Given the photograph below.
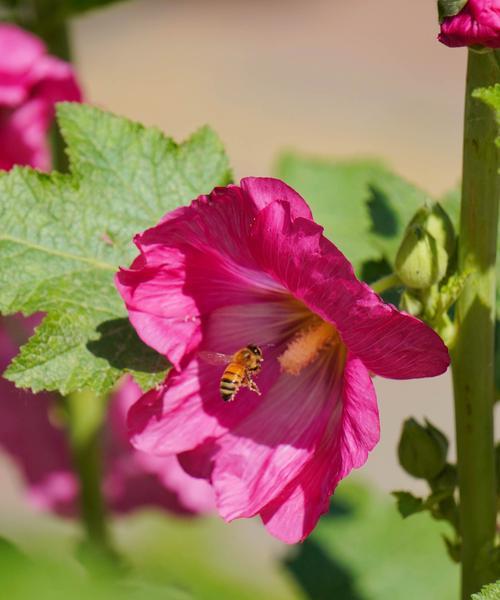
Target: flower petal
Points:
(264, 453)
(191, 264)
(390, 343)
(19, 51)
(186, 411)
(265, 190)
(352, 433)
(478, 23)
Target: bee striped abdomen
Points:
(231, 381)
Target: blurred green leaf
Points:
(408, 504)
(381, 555)
(63, 237)
(363, 206)
(360, 550)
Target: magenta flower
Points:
(477, 24)
(247, 264)
(31, 82)
(39, 448)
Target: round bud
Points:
(439, 225)
(421, 261)
(422, 449)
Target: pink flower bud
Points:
(477, 24)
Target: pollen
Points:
(307, 345)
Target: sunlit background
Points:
(325, 77)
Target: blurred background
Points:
(326, 77)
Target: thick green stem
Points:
(473, 349)
(85, 417)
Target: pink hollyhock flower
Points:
(247, 264)
(477, 24)
(132, 479)
(31, 82)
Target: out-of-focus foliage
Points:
(362, 550)
(367, 552)
(363, 206)
(24, 579)
(63, 237)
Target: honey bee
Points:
(240, 369)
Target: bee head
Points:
(255, 350)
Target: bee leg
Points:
(251, 385)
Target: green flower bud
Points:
(420, 261)
(422, 449)
(410, 304)
(435, 220)
(446, 479)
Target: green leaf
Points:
(63, 237)
(490, 96)
(453, 547)
(408, 504)
(450, 8)
(488, 592)
(363, 206)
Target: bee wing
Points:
(215, 358)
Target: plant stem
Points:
(85, 416)
(473, 350)
(58, 43)
(50, 24)
(385, 283)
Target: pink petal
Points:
(188, 409)
(37, 447)
(265, 190)
(23, 136)
(19, 51)
(192, 263)
(31, 82)
(134, 479)
(54, 80)
(266, 451)
(184, 412)
(194, 494)
(351, 434)
(390, 343)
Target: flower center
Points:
(316, 335)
